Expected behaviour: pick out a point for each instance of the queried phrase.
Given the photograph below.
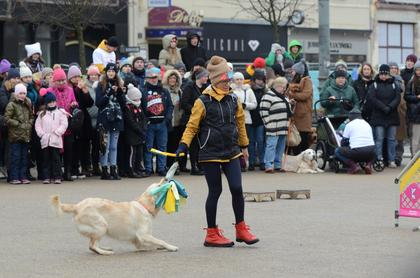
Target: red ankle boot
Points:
(215, 238)
(243, 234)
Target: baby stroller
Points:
(328, 140)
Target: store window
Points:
(396, 41)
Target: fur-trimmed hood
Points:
(166, 76)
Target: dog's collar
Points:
(141, 207)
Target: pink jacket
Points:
(50, 127)
(64, 97)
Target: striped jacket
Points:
(275, 113)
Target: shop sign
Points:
(174, 16)
(154, 33)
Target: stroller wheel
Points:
(334, 165)
(378, 165)
(321, 154)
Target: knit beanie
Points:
(238, 75)
(201, 73)
(218, 69)
(126, 62)
(288, 64)
(46, 71)
(20, 88)
(259, 74)
(74, 71)
(412, 58)
(24, 70)
(133, 93)
(113, 41)
(180, 66)
(13, 73)
(152, 72)
(340, 73)
(49, 97)
(384, 69)
(299, 68)
(340, 63)
(4, 66)
(32, 49)
(355, 113)
(93, 70)
(417, 65)
(259, 63)
(59, 74)
(111, 66)
(199, 62)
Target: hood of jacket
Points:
(166, 76)
(166, 41)
(102, 46)
(189, 36)
(295, 43)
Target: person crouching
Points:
(357, 144)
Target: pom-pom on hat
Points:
(24, 70)
(218, 69)
(49, 97)
(4, 66)
(32, 49)
(133, 93)
(259, 63)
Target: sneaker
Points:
(81, 176)
(46, 181)
(392, 164)
(57, 181)
(269, 171)
(74, 177)
(280, 170)
(26, 181)
(15, 182)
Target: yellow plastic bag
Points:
(169, 205)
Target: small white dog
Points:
(127, 221)
(304, 163)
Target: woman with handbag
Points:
(110, 99)
(300, 90)
(275, 112)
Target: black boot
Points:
(114, 173)
(96, 170)
(132, 174)
(67, 174)
(195, 171)
(105, 175)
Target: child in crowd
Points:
(275, 112)
(34, 59)
(135, 131)
(19, 119)
(50, 127)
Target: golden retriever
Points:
(304, 163)
(126, 221)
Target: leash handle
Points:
(155, 151)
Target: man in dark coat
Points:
(192, 51)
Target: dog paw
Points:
(172, 248)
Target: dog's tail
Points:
(59, 208)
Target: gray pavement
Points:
(345, 230)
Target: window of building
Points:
(396, 41)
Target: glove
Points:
(244, 106)
(182, 148)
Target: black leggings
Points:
(213, 173)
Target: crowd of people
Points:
(105, 122)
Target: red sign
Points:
(173, 16)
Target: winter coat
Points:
(50, 127)
(295, 58)
(93, 110)
(19, 119)
(190, 53)
(157, 104)
(302, 93)
(85, 101)
(402, 111)
(275, 112)
(406, 75)
(383, 102)
(6, 91)
(35, 66)
(331, 80)
(168, 56)
(335, 108)
(33, 95)
(413, 102)
(102, 57)
(247, 98)
(361, 86)
(190, 93)
(64, 97)
(135, 125)
(255, 114)
(140, 76)
(176, 94)
(110, 107)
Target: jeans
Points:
(389, 133)
(274, 151)
(110, 156)
(256, 143)
(347, 155)
(18, 161)
(213, 173)
(156, 135)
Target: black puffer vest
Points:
(218, 136)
